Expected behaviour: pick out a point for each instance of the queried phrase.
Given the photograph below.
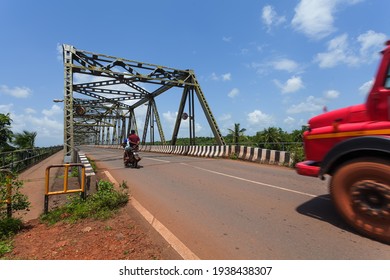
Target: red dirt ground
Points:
(126, 236)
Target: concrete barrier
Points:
(258, 155)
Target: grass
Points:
(8, 228)
(100, 205)
(93, 164)
(5, 246)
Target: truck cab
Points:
(352, 145)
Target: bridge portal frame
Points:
(105, 113)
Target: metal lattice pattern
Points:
(101, 93)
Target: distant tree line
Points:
(273, 138)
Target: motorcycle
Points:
(131, 156)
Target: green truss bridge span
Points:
(102, 94)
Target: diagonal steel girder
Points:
(113, 89)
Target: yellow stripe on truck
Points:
(349, 134)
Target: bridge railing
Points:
(19, 160)
(253, 154)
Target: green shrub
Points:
(233, 156)
(74, 172)
(100, 205)
(19, 201)
(8, 228)
(93, 164)
(298, 154)
(5, 246)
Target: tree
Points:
(25, 140)
(272, 137)
(18, 199)
(6, 133)
(236, 133)
(297, 134)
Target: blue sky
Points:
(259, 63)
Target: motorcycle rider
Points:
(131, 145)
(133, 139)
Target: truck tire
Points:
(360, 190)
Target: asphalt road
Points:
(228, 209)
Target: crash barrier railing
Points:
(89, 173)
(252, 154)
(19, 160)
(8, 193)
(65, 190)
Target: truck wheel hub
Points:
(371, 198)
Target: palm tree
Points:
(5, 131)
(25, 140)
(272, 137)
(236, 133)
(297, 134)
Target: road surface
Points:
(229, 209)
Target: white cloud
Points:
(332, 94)
(6, 108)
(314, 18)
(338, 52)
(214, 76)
(371, 42)
(49, 128)
(18, 92)
(366, 87)
(30, 111)
(311, 104)
(225, 117)
(285, 64)
(226, 77)
(279, 64)
(341, 51)
(234, 92)
(270, 17)
(59, 52)
(54, 110)
(259, 118)
(170, 117)
(223, 77)
(289, 120)
(227, 39)
(46, 127)
(293, 84)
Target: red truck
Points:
(352, 146)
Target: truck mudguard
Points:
(357, 146)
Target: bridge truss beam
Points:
(102, 92)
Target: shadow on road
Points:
(321, 208)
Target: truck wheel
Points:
(360, 191)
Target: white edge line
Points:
(172, 240)
(166, 161)
(255, 182)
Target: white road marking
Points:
(256, 182)
(167, 161)
(176, 244)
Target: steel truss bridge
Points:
(101, 94)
